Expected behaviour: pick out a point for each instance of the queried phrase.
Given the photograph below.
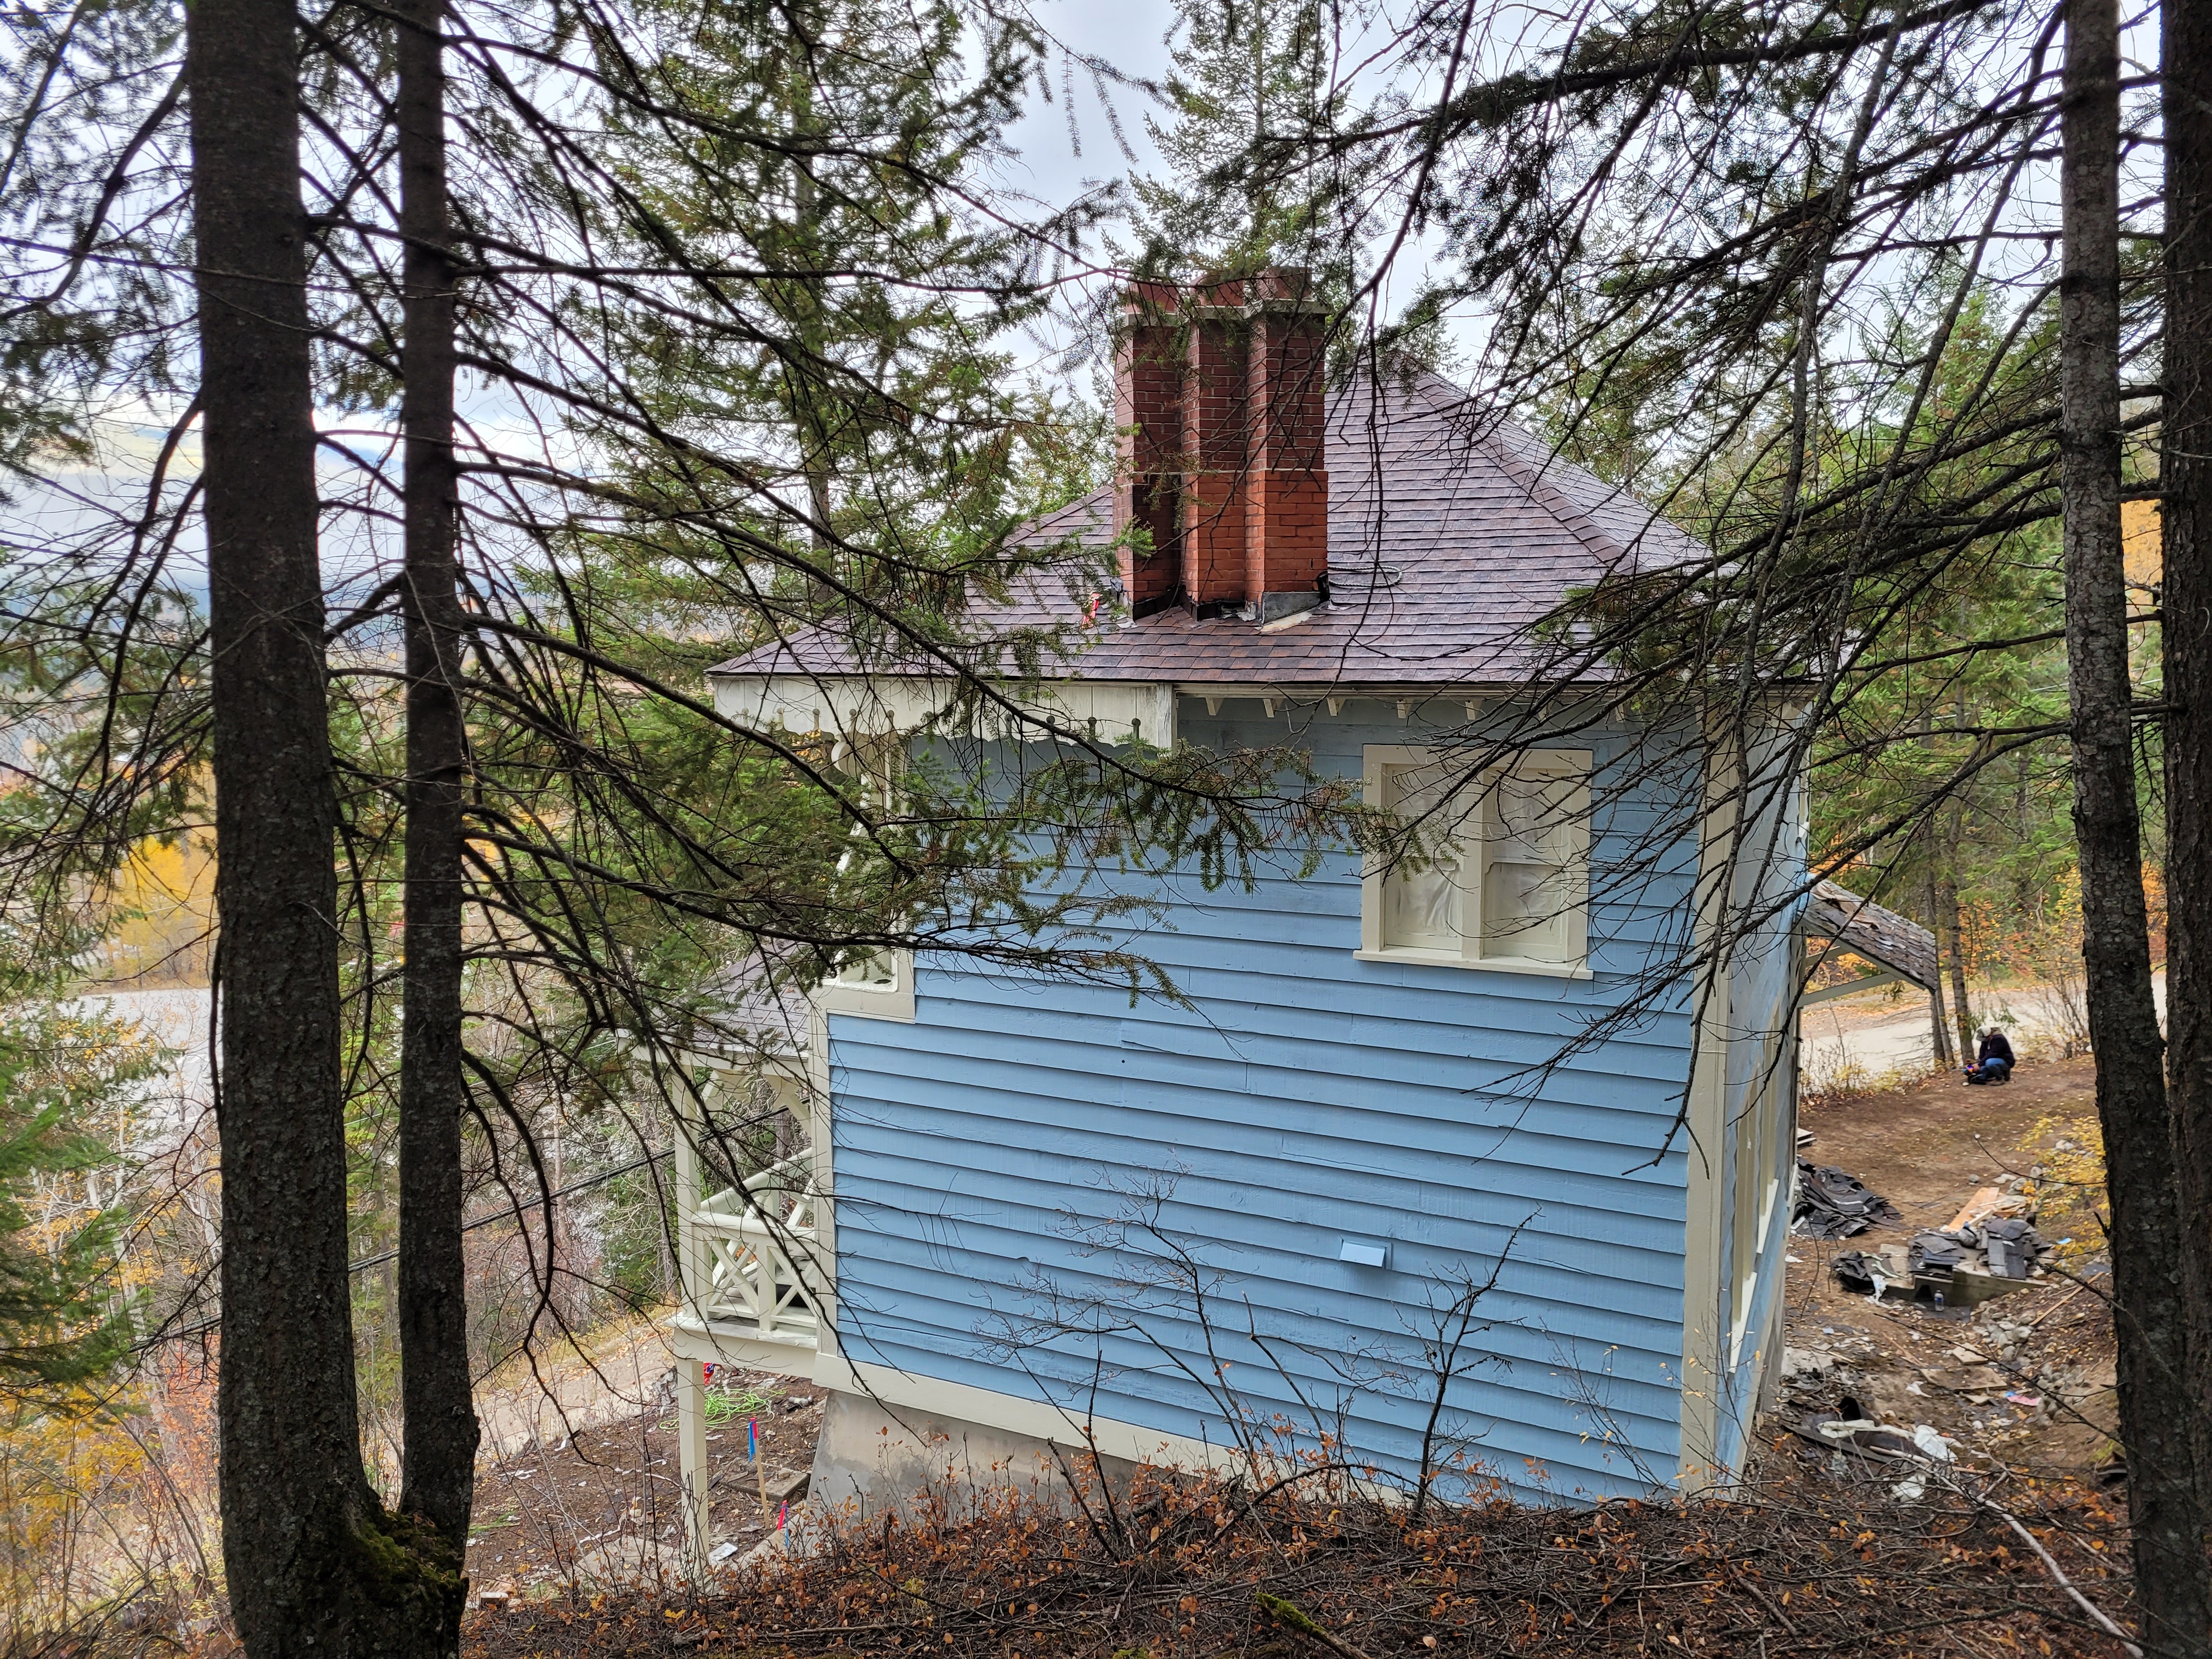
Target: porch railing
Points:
(762, 1271)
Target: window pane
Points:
(1531, 881)
(1526, 911)
(1421, 894)
(1421, 908)
(1535, 818)
(872, 969)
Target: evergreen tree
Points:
(835, 412)
(69, 1080)
(1247, 89)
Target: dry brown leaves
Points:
(1796, 1565)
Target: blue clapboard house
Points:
(1385, 1096)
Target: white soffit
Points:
(862, 706)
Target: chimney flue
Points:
(1287, 490)
(1217, 430)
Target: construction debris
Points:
(1934, 1253)
(1860, 1445)
(2010, 1246)
(2008, 1201)
(1991, 1247)
(1831, 1204)
(1856, 1270)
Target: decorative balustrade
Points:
(758, 1278)
(756, 1270)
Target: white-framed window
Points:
(1499, 876)
(878, 984)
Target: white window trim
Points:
(1374, 757)
(877, 760)
(891, 1001)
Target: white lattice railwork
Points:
(757, 1278)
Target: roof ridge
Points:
(1555, 501)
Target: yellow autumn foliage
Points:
(2070, 1193)
(162, 902)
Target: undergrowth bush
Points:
(1316, 1560)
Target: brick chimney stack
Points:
(1148, 415)
(1220, 407)
(1216, 434)
(1286, 489)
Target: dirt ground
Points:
(2038, 1397)
(547, 1519)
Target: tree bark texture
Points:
(439, 1465)
(2131, 1103)
(1939, 1026)
(2186, 600)
(308, 1552)
(1954, 950)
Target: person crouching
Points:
(1993, 1060)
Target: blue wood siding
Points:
(986, 1151)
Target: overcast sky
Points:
(1130, 34)
(1056, 161)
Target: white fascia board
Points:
(1306, 693)
(857, 705)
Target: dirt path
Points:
(2043, 1400)
(620, 1371)
(1875, 1038)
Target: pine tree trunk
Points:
(311, 1561)
(2184, 469)
(1962, 1013)
(1939, 1027)
(439, 1466)
(2155, 1418)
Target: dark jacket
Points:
(1994, 1047)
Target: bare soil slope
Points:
(2039, 1398)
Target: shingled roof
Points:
(1863, 928)
(1449, 537)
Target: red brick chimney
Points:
(1220, 407)
(1286, 489)
(1216, 434)
(1148, 415)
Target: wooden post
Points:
(691, 1462)
(695, 1278)
(695, 1286)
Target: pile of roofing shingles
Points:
(1992, 1239)
(1831, 1204)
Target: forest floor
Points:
(1797, 1560)
(1794, 1563)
